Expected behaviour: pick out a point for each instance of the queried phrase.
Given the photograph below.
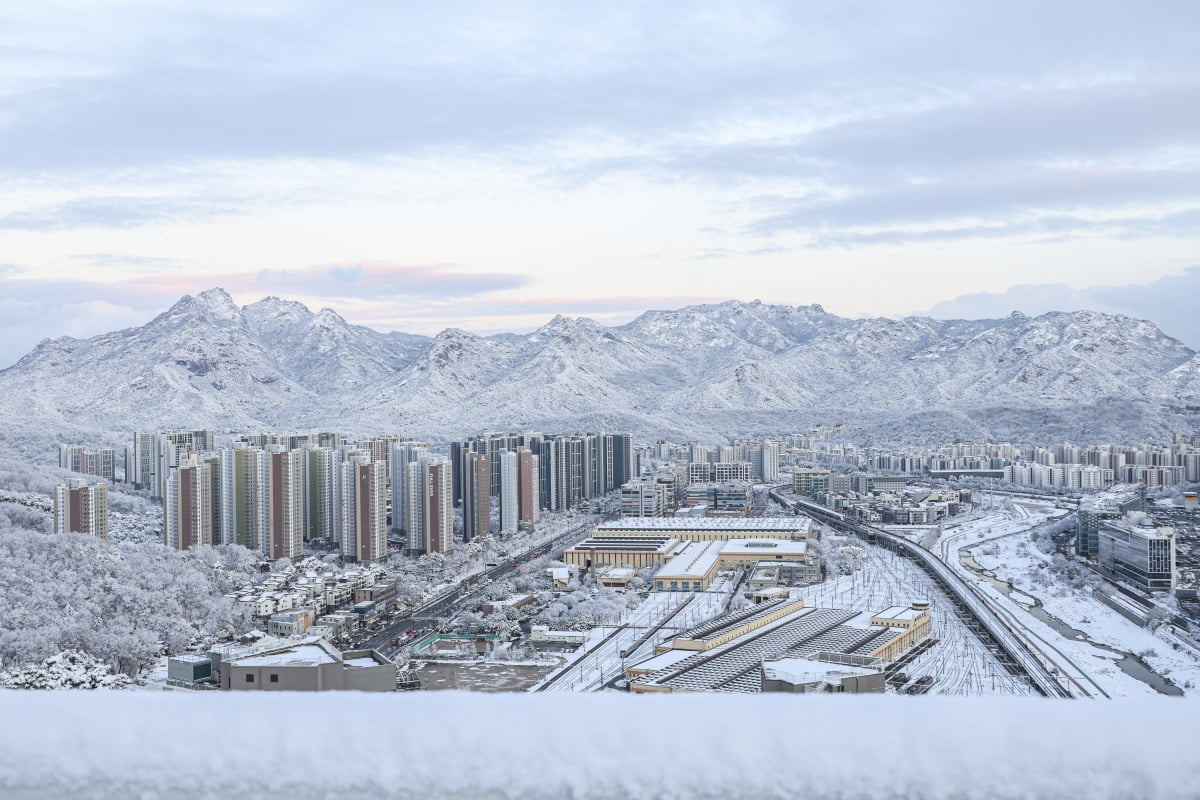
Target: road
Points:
(445, 604)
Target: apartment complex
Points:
(101, 462)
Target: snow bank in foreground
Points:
(457, 745)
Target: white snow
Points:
(698, 747)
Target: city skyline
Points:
(488, 169)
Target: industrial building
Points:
(691, 569)
(802, 675)
(727, 654)
(703, 529)
(621, 551)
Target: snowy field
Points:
(958, 663)
(535, 747)
(1000, 543)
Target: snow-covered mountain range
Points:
(701, 371)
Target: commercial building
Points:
(1133, 550)
(80, 508)
(702, 529)
(807, 482)
(643, 497)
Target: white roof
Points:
(302, 655)
(898, 612)
(697, 560)
(807, 670)
(708, 524)
(663, 660)
(765, 547)
(363, 661)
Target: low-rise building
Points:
(804, 675)
(691, 569)
(618, 550)
(311, 665)
(542, 633)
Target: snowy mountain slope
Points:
(701, 371)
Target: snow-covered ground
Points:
(443, 745)
(958, 662)
(1000, 543)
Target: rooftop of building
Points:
(804, 633)
(695, 561)
(798, 671)
(764, 547)
(647, 544)
(708, 524)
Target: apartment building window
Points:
(249, 679)
(274, 678)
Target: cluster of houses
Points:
(310, 599)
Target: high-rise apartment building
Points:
(477, 495)
(101, 463)
(155, 452)
(268, 500)
(403, 454)
(430, 501)
(323, 492)
(363, 518)
(188, 504)
(80, 508)
(508, 492)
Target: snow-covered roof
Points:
(765, 547)
(807, 670)
(906, 613)
(693, 562)
(302, 655)
(663, 660)
(362, 661)
(695, 524)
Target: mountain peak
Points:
(212, 305)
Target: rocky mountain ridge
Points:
(702, 371)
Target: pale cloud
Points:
(477, 159)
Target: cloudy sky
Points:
(484, 165)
